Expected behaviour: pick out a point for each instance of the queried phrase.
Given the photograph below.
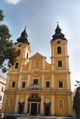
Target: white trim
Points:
(68, 82)
(26, 104)
(30, 64)
(52, 80)
(52, 106)
(28, 81)
(62, 82)
(42, 105)
(7, 82)
(69, 104)
(43, 64)
(16, 103)
(43, 76)
(19, 81)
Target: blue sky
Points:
(40, 17)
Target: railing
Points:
(35, 86)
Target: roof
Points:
(58, 34)
(24, 37)
(38, 55)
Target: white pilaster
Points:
(30, 108)
(30, 64)
(43, 64)
(42, 105)
(19, 81)
(4, 103)
(69, 105)
(68, 82)
(28, 80)
(37, 107)
(52, 80)
(66, 51)
(52, 106)
(43, 76)
(7, 83)
(26, 104)
(16, 104)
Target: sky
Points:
(40, 18)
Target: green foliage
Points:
(76, 102)
(1, 15)
(7, 52)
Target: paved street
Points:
(22, 116)
(43, 117)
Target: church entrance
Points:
(47, 109)
(34, 104)
(34, 108)
(21, 107)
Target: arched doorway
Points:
(21, 107)
(47, 108)
(34, 104)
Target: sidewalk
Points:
(24, 116)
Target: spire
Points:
(58, 34)
(57, 30)
(24, 37)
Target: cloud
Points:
(14, 2)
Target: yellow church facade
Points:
(36, 87)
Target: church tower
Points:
(23, 49)
(15, 78)
(61, 77)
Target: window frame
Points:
(16, 65)
(27, 55)
(18, 52)
(35, 81)
(60, 63)
(13, 85)
(59, 50)
(61, 84)
(47, 84)
(23, 84)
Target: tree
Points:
(7, 52)
(1, 15)
(76, 101)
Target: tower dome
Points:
(24, 37)
(58, 34)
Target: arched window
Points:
(59, 50)
(23, 84)
(27, 55)
(60, 84)
(47, 84)
(13, 84)
(59, 63)
(16, 65)
(18, 52)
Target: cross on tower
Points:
(57, 22)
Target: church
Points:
(36, 87)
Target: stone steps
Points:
(43, 117)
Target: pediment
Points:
(38, 56)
